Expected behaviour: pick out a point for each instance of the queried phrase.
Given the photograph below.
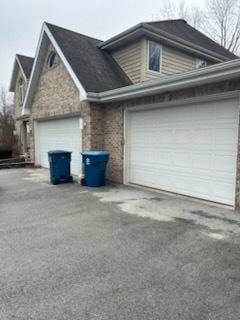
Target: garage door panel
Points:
(187, 149)
(225, 163)
(61, 134)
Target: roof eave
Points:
(222, 71)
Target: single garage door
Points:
(190, 150)
(62, 134)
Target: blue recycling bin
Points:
(60, 166)
(95, 163)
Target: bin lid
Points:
(95, 153)
(58, 151)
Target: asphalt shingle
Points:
(26, 63)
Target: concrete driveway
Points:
(117, 253)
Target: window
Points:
(21, 91)
(200, 63)
(154, 56)
(52, 60)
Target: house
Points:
(161, 97)
(19, 82)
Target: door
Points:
(190, 150)
(61, 134)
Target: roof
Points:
(182, 29)
(26, 64)
(95, 69)
(176, 33)
(23, 63)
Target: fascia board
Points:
(220, 72)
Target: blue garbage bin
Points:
(60, 166)
(95, 167)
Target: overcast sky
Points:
(21, 20)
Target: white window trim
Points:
(160, 62)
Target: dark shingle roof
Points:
(96, 69)
(26, 63)
(182, 29)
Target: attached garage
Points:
(188, 149)
(59, 134)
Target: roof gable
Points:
(95, 69)
(91, 69)
(24, 64)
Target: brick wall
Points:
(56, 95)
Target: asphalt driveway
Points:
(117, 253)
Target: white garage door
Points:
(189, 149)
(62, 134)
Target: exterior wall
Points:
(237, 196)
(18, 110)
(57, 96)
(129, 58)
(113, 119)
(133, 59)
(173, 61)
(113, 141)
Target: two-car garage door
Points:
(59, 134)
(188, 149)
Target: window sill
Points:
(154, 73)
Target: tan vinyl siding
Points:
(176, 62)
(129, 59)
(173, 61)
(133, 59)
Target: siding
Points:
(130, 60)
(133, 59)
(173, 61)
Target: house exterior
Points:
(19, 83)
(161, 97)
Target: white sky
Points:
(21, 20)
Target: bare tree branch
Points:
(219, 19)
(7, 137)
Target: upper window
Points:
(200, 63)
(52, 60)
(21, 90)
(154, 56)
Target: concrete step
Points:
(12, 160)
(16, 165)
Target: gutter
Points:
(216, 73)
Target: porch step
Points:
(16, 164)
(12, 160)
